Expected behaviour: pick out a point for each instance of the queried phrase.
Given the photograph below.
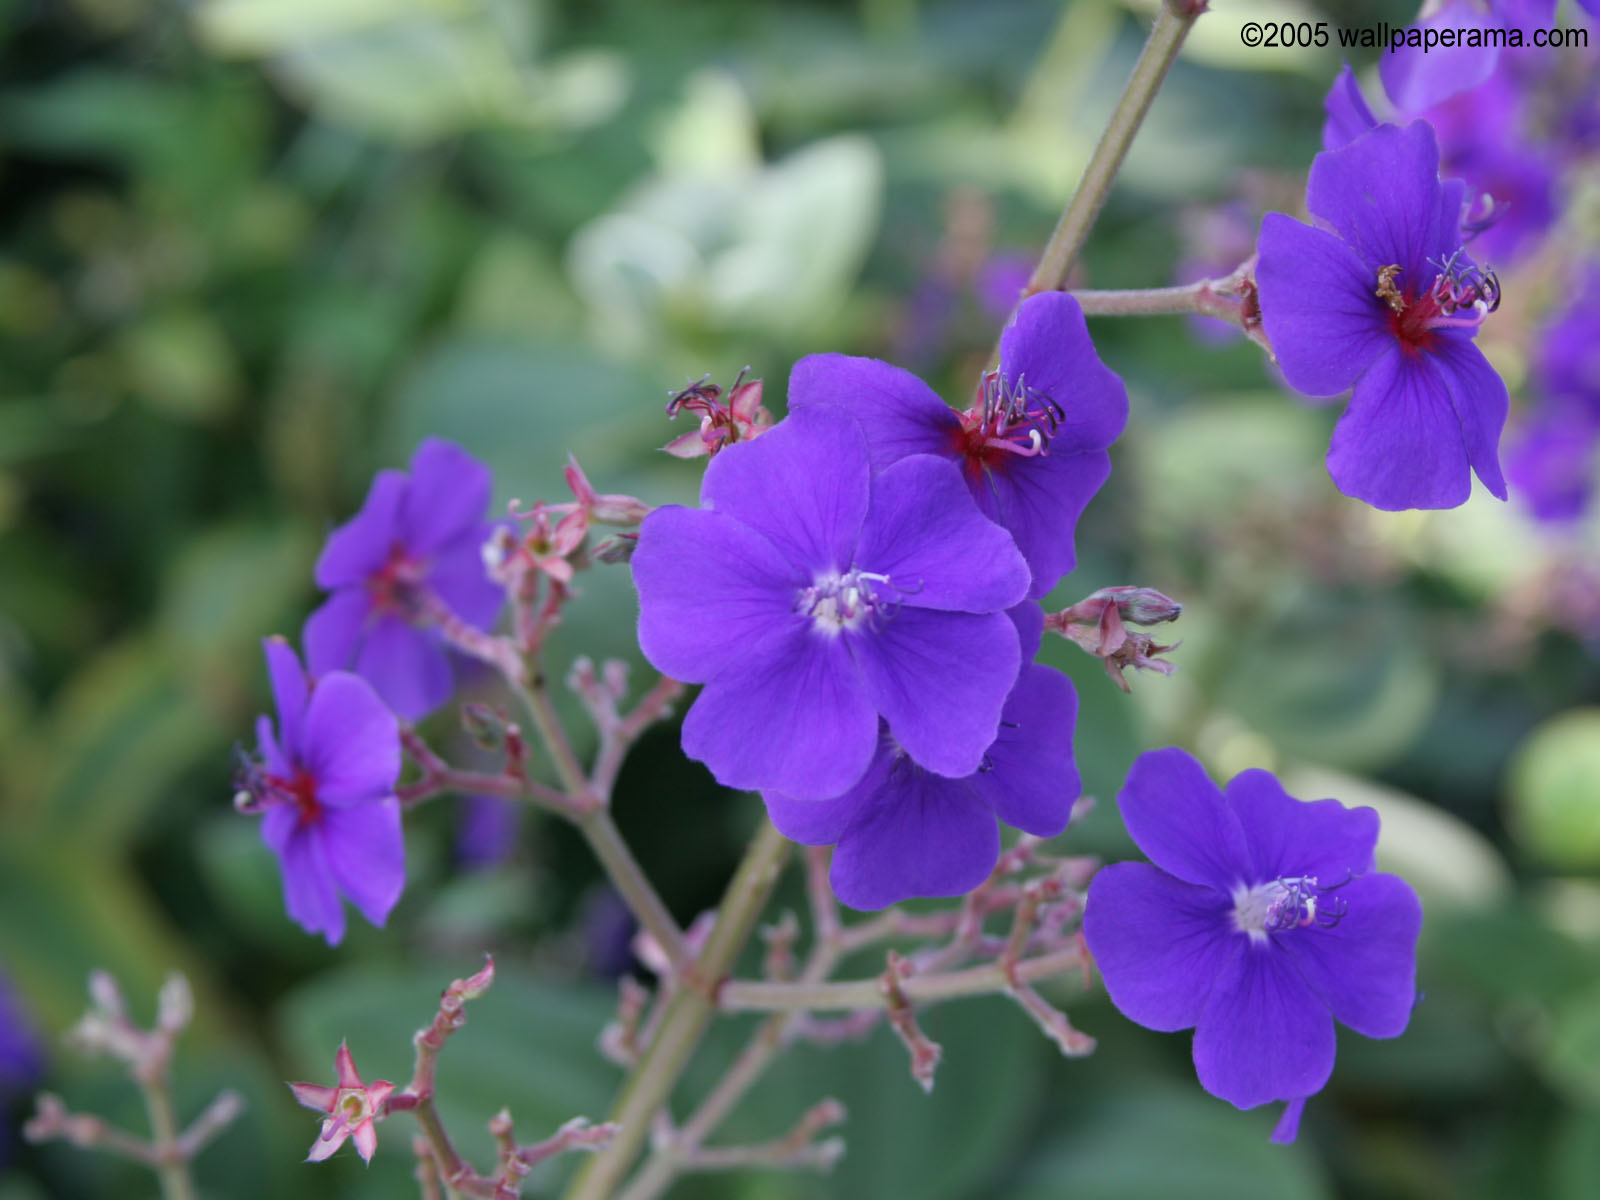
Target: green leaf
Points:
(900, 1141)
(1571, 1055)
(1155, 1143)
(1554, 811)
(120, 735)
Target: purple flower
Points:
(1553, 464)
(1032, 448)
(412, 556)
(21, 1055)
(1416, 78)
(325, 788)
(1348, 115)
(1511, 188)
(1568, 361)
(1001, 281)
(486, 830)
(903, 832)
(812, 599)
(1258, 925)
(1380, 295)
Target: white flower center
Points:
(836, 602)
(1277, 906)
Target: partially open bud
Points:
(484, 725)
(1096, 624)
(738, 418)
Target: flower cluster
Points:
(854, 593)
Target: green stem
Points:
(688, 1014)
(1171, 27)
(628, 877)
(172, 1169)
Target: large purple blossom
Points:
(812, 599)
(1032, 448)
(1258, 925)
(1379, 294)
(411, 556)
(325, 788)
(902, 832)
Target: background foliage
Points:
(255, 249)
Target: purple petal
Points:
(362, 545)
(1365, 966)
(925, 533)
(1028, 617)
(332, 634)
(1317, 306)
(367, 854)
(352, 746)
(789, 714)
(1030, 778)
(1348, 116)
(1178, 817)
(290, 692)
(1047, 346)
(407, 666)
(1381, 194)
(308, 891)
(899, 413)
(458, 577)
(1264, 1034)
(1288, 1126)
(1290, 838)
(709, 587)
(267, 746)
(1038, 501)
(823, 822)
(1479, 397)
(1417, 79)
(940, 679)
(1399, 443)
(921, 835)
(447, 498)
(1160, 944)
(803, 485)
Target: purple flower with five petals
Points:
(409, 560)
(1032, 448)
(812, 599)
(1258, 925)
(903, 832)
(1380, 295)
(325, 787)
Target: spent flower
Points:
(352, 1107)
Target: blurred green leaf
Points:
(963, 1132)
(1555, 790)
(1571, 1056)
(180, 362)
(118, 737)
(1156, 1143)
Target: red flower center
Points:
(392, 587)
(301, 791)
